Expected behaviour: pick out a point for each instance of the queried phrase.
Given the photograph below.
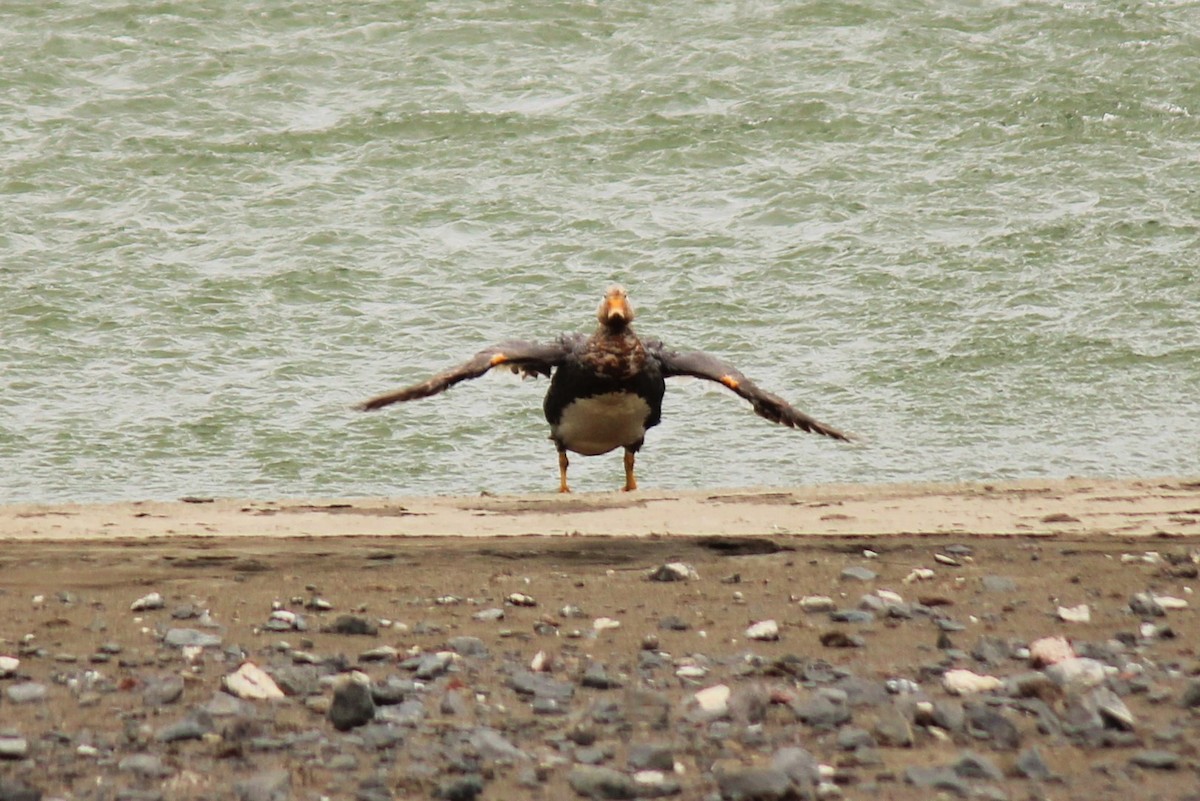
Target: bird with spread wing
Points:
(606, 389)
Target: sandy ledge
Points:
(1127, 508)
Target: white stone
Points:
(605, 623)
(966, 682)
(152, 601)
(691, 672)
(540, 662)
(918, 574)
(817, 603)
(8, 665)
(1170, 602)
(284, 616)
(1075, 614)
(1078, 671)
(682, 571)
(521, 599)
(763, 630)
(1049, 650)
(713, 700)
(887, 596)
(251, 682)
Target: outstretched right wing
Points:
(526, 358)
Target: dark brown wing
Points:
(526, 358)
(772, 407)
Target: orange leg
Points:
(630, 481)
(562, 472)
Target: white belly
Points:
(596, 425)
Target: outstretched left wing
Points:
(766, 404)
(526, 358)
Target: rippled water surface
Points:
(966, 231)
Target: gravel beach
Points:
(765, 661)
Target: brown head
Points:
(615, 312)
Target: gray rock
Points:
(987, 723)
(430, 666)
(999, 584)
(596, 677)
(851, 616)
(651, 756)
(756, 784)
(270, 785)
(1143, 604)
(26, 692)
(453, 703)
(492, 746)
(858, 573)
(1112, 709)
(181, 638)
(393, 690)
(851, 738)
(1031, 765)
(162, 690)
(673, 623)
(146, 765)
(1191, 695)
(352, 705)
(892, 728)
(193, 727)
(540, 685)
(410, 712)
(598, 782)
(460, 788)
(1155, 760)
(799, 765)
(17, 790)
(943, 779)
(821, 712)
(467, 646)
(971, 765)
(489, 615)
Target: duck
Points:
(607, 388)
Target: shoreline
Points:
(1167, 506)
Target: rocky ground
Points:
(590, 667)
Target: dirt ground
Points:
(65, 602)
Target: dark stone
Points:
(352, 705)
(599, 782)
(596, 677)
(652, 756)
(976, 766)
(987, 723)
(821, 712)
(17, 790)
(1155, 760)
(673, 623)
(937, 779)
(467, 646)
(1031, 765)
(350, 624)
(757, 784)
(460, 788)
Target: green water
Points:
(965, 230)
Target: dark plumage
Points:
(607, 389)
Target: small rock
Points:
(270, 785)
(26, 692)
(489, 615)
(467, 646)
(13, 746)
(521, 599)
(817, 603)
(599, 782)
(966, 682)
(492, 746)
(17, 790)
(674, 571)
(755, 784)
(767, 630)
(146, 765)
(858, 573)
(252, 683)
(971, 765)
(651, 756)
(1075, 614)
(1078, 672)
(943, 779)
(8, 666)
(998, 584)
(605, 624)
(1155, 760)
(193, 638)
(713, 701)
(152, 601)
(1031, 765)
(918, 574)
(430, 666)
(193, 727)
(353, 625)
(352, 702)
(460, 788)
(1049, 651)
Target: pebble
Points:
(713, 701)
(1049, 651)
(270, 785)
(1075, 614)
(26, 692)
(181, 638)
(591, 781)
(966, 682)
(152, 601)
(8, 666)
(521, 599)
(763, 630)
(251, 682)
(605, 624)
(858, 573)
(13, 746)
(817, 603)
(674, 571)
